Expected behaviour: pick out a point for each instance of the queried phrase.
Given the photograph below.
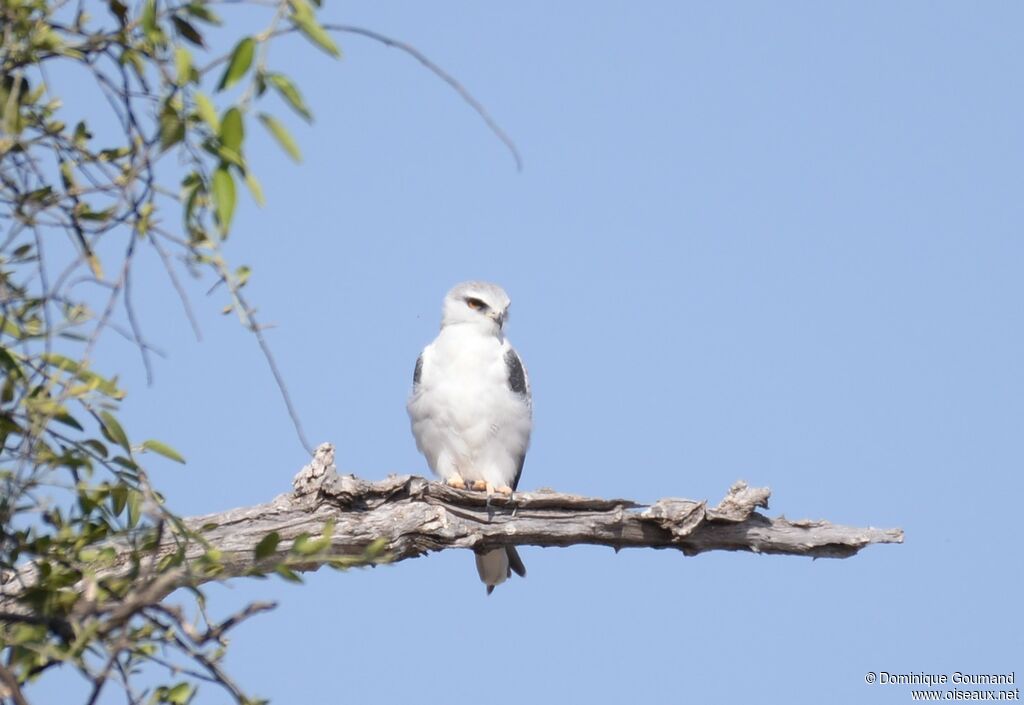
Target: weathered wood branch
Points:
(415, 516)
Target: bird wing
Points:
(417, 372)
(518, 382)
(515, 563)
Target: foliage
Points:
(80, 196)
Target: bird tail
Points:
(497, 565)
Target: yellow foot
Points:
(504, 489)
(478, 485)
(456, 481)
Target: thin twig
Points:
(216, 672)
(217, 632)
(176, 283)
(440, 73)
(100, 680)
(11, 686)
(133, 321)
(278, 377)
(129, 692)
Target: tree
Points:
(88, 547)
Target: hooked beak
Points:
(498, 317)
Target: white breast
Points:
(465, 418)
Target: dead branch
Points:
(415, 516)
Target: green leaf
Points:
(134, 507)
(135, 60)
(179, 694)
(242, 275)
(148, 19)
(283, 85)
(288, 574)
(97, 447)
(300, 545)
(304, 18)
(227, 155)
(206, 112)
(119, 9)
(188, 31)
(61, 362)
(172, 127)
(9, 362)
(107, 155)
(124, 462)
(232, 130)
(224, 196)
(376, 549)
(11, 106)
(238, 64)
(164, 450)
(94, 381)
(267, 545)
(306, 546)
(68, 420)
(67, 174)
(87, 213)
(10, 328)
(255, 189)
(200, 11)
(281, 134)
(118, 498)
(82, 135)
(113, 432)
(183, 65)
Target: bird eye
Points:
(475, 304)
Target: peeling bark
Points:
(415, 516)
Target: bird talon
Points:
(456, 481)
(504, 491)
(479, 485)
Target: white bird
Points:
(471, 409)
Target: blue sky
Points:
(779, 242)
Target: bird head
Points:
(477, 304)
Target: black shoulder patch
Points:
(516, 374)
(418, 371)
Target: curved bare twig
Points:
(440, 73)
